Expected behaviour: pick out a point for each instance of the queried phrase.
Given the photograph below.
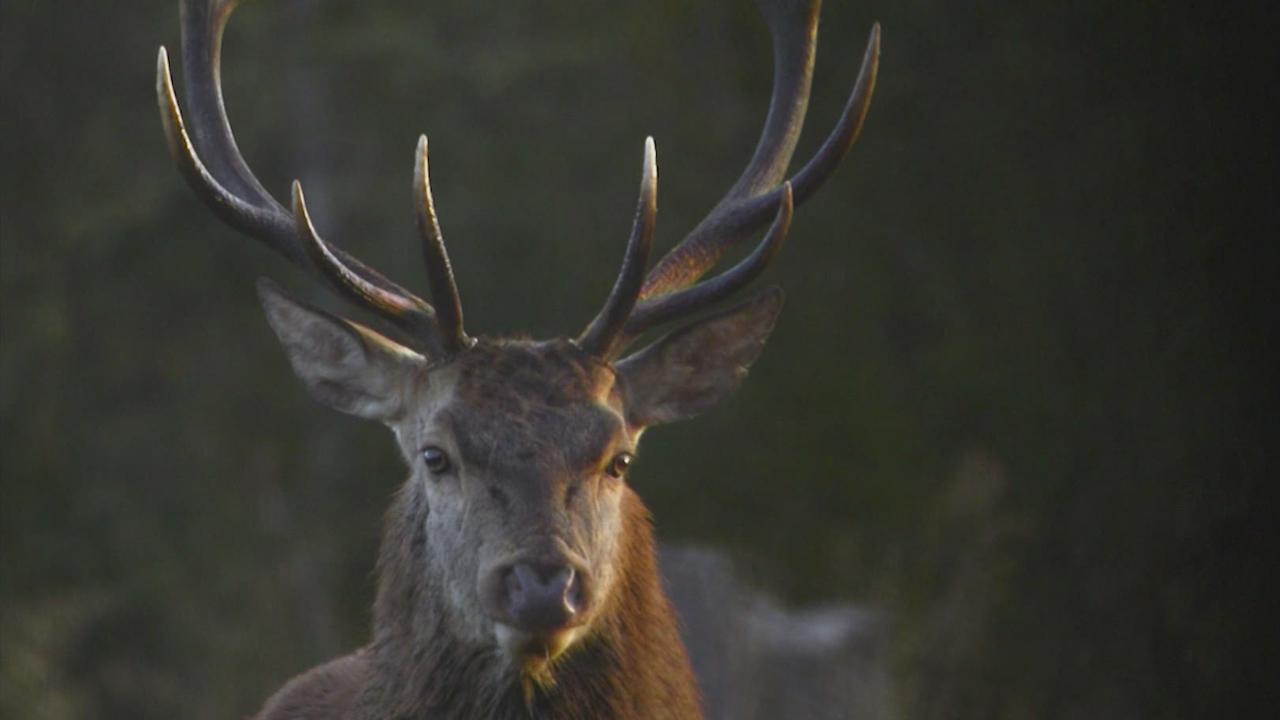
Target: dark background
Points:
(1018, 401)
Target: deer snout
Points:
(537, 597)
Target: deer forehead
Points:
(517, 405)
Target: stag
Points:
(517, 572)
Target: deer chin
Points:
(533, 652)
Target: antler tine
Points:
(210, 161)
(793, 27)
(665, 308)
(755, 196)
(262, 219)
(605, 333)
(444, 289)
(750, 213)
(410, 314)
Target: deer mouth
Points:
(534, 650)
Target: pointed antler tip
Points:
(421, 176)
(307, 229)
(650, 162)
(301, 215)
(171, 116)
(164, 79)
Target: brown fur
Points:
(633, 667)
(519, 406)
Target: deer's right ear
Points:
(344, 365)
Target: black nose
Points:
(540, 597)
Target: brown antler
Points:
(444, 289)
(212, 164)
(681, 303)
(758, 195)
(669, 291)
(606, 331)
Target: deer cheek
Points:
(605, 535)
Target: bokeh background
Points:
(1019, 401)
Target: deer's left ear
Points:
(344, 365)
(688, 371)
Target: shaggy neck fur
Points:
(632, 664)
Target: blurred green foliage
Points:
(1019, 398)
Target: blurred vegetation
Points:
(1019, 400)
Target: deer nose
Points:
(538, 597)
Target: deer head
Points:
(516, 521)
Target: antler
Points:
(757, 194)
(444, 289)
(213, 166)
(606, 331)
(669, 291)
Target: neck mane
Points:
(632, 664)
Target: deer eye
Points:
(619, 464)
(436, 460)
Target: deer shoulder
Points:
(326, 692)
